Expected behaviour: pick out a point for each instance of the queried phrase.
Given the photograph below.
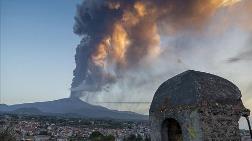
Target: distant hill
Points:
(70, 106)
(30, 111)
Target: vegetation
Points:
(76, 138)
(133, 137)
(7, 134)
(97, 136)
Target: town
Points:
(56, 128)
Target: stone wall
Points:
(206, 106)
(187, 117)
(220, 122)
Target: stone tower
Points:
(196, 106)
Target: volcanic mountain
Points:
(73, 107)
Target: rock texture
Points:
(206, 106)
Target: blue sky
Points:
(37, 49)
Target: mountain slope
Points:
(72, 106)
(29, 111)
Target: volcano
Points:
(72, 107)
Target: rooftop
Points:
(192, 87)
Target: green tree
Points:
(97, 136)
(109, 138)
(147, 138)
(133, 137)
(139, 138)
(7, 134)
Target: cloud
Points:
(245, 54)
(147, 50)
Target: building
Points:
(196, 106)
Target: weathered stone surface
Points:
(206, 106)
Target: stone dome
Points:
(194, 88)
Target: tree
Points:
(7, 134)
(139, 138)
(109, 138)
(97, 136)
(133, 137)
(147, 138)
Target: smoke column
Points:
(129, 47)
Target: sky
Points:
(141, 44)
(37, 49)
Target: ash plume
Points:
(129, 47)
